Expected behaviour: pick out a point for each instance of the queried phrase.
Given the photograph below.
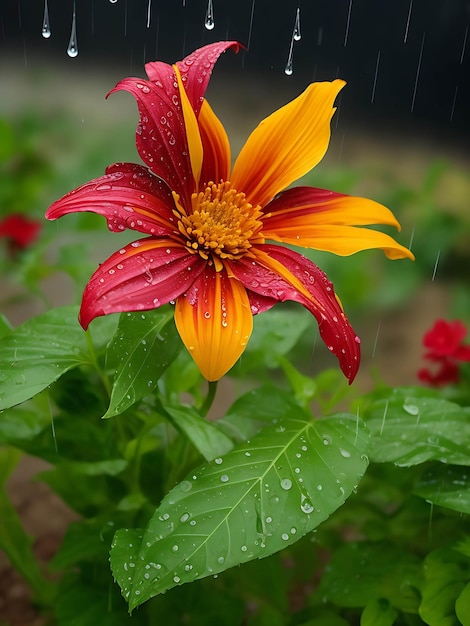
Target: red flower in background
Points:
(446, 350)
(209, 226)
(19, 231)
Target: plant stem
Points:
(206, 405)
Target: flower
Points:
(445, 347)
(19, 231)
(209, 226)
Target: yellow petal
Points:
(217, 159)
(287, 144)
(341, 240)
(192, 130)
(215, 322)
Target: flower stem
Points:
(206, 405)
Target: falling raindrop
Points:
(149, 13)
(346, 34)
(417, 73)
(297, 33)
(375, 77)
(384, 418)
(464, 45)
(453, 103)
(46, 27)
(72, 49)
(408, 22)
(289, 65)
(376, 338)
(435, 265)
(209, 21)
(113, 1)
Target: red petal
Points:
(281, 274)
(161, 135)
(197, 67)
(21, 230)
(129, 196)
(141, 276)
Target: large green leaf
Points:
(447, 486)
(143, 347)
(408, 430)
(261, 497)
(378, 612)
(38, 352)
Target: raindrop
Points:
(175, 548)
(221, 560)
(284, 536)
(286, 484)
(384, 418)
(186, 486)
(326, 440)
(375, 77)
(224, 478)
(218, 461)
(347, 24)
(149, 12)
(113, 1)
(345, 453)
(72, 49)
(305, 505)
(464, 45)
(435, 265)
(411, 409)
(209, 21)
(297, 34)
(288, 70)
(46, 27)
(243, 548)
(417, 73)
(408, 22)
(184, 517)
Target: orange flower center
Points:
(222, 225)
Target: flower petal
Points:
(287, 144)
(216, 146)
(193, 136)
(281, 274)
(161, 132)
(214, 321)
(141, 276)
(197, 67)
(321, 219)
(129, 196)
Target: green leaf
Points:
(447, 486)
(359, 573)
(261, 497)
(5, 326)
(275, 333)
(379, 612)
(255, 409)
(462, 605)
(408, 430)
(143, 347)
(89, 488)
(205, 436)
(38, 352)
(82, 603)
(446, 574)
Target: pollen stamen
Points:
(222, 224)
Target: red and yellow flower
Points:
(209, 227)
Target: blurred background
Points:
(400, 135)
